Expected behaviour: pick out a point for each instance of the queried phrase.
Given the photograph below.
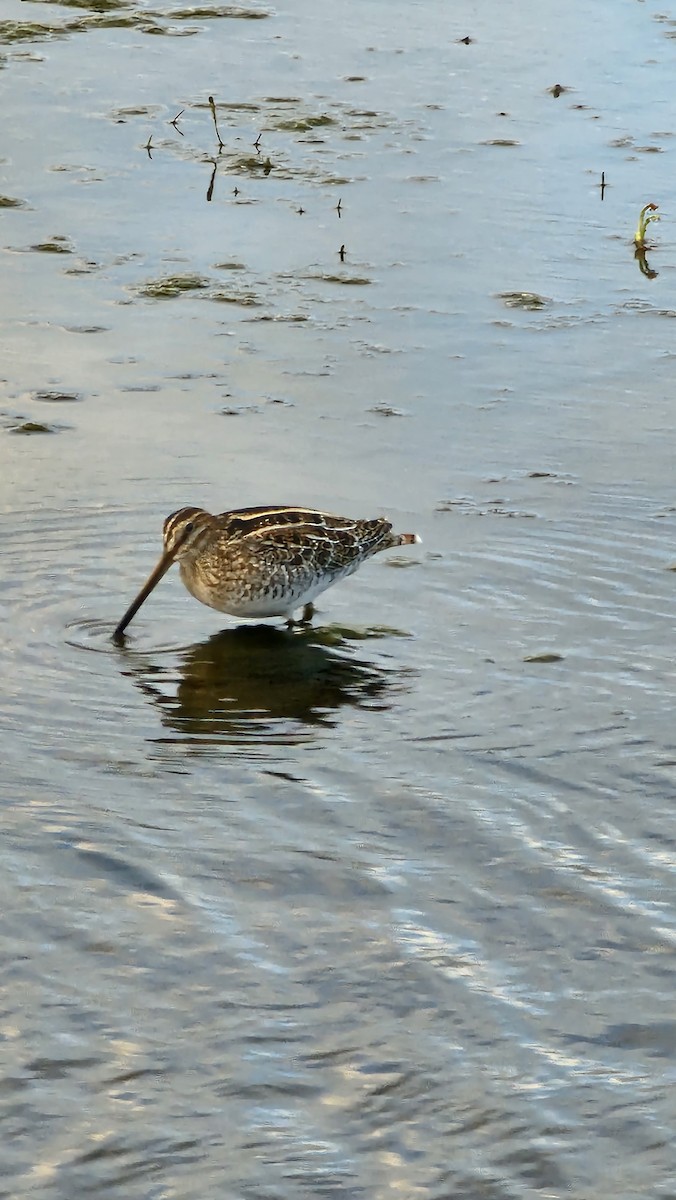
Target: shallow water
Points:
(384, 904)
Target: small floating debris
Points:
(302, 124)
(86, 328)
(468, 506)
(31, 31)
(230, 265)
(558, 90)
(552, 476)
(346, 280)
(55, 245)
(547, 656)
(244, 298)
(172, 286)
(28, 427)
(501, 142)
(54, 397)
(237, 410)
(531, 301)
(387, 410)
(399, 562)
(229, 11)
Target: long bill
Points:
(150, 583)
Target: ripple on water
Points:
(247, 687)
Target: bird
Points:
(264, 561)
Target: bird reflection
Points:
(261, 684)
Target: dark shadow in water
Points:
(262, 685)
(643, 264)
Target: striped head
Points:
(186, 532)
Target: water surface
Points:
(385, 904)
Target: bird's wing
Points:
(300, 538)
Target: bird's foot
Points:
(306, 619)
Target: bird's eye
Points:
(189, 527)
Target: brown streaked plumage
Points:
(264, 562)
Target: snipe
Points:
(264, 562)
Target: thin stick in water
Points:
(212, 106)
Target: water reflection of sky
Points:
(438, 218)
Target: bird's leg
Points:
(308, 614)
